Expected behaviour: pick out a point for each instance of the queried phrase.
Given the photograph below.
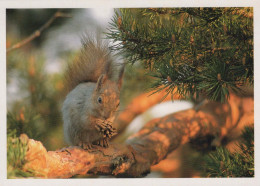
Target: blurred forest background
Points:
(35, 84)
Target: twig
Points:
(37, 33)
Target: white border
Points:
(128, 4)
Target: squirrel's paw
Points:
(86, 146)
(103, 142)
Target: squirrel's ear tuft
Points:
(101, 81)
(120, 77)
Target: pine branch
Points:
(38, 32)
(223, 163)
(148, 147)
(189, 46)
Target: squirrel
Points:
(90, 106)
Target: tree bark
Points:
(149, 146)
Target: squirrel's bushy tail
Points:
(94, 59)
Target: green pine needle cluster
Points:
(16, 150)
(199, 51)
(23, 122)
(223, 163)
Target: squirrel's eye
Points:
(99, 100)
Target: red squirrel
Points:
(89, 107)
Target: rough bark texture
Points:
(149, 146)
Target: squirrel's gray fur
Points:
(89, 108)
